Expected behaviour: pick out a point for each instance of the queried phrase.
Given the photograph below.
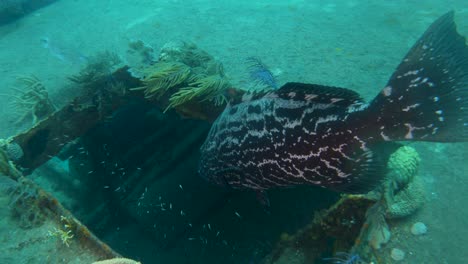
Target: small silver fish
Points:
(68, 55)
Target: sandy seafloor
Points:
(353, 44)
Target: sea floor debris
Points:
(362, 224)
(34, 221)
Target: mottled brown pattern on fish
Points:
(327, 136)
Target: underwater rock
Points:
(397, 254)
(418, 228)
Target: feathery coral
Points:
(97, 68)
(206, 88)
(163, 76)
(186, 73)
(32, 99)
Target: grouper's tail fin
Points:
(427, 97)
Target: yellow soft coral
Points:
(65, 234)
(163, 76)
(206, 88)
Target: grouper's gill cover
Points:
(327, 136)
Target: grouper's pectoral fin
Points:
(233, 177)
(230, 177)
(367, 169)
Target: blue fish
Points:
(308, 134)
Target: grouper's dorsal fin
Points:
(318, 93)
(306, 92)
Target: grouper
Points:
(308, 134)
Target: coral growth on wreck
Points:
(331, 231)
(207, 88)
(401, 195)
(97, 81)
(357, 224)
(403, 189)
(31, 100)
(97, 70)
(184, 74)
(161, 77)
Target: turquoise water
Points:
(161, 211)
